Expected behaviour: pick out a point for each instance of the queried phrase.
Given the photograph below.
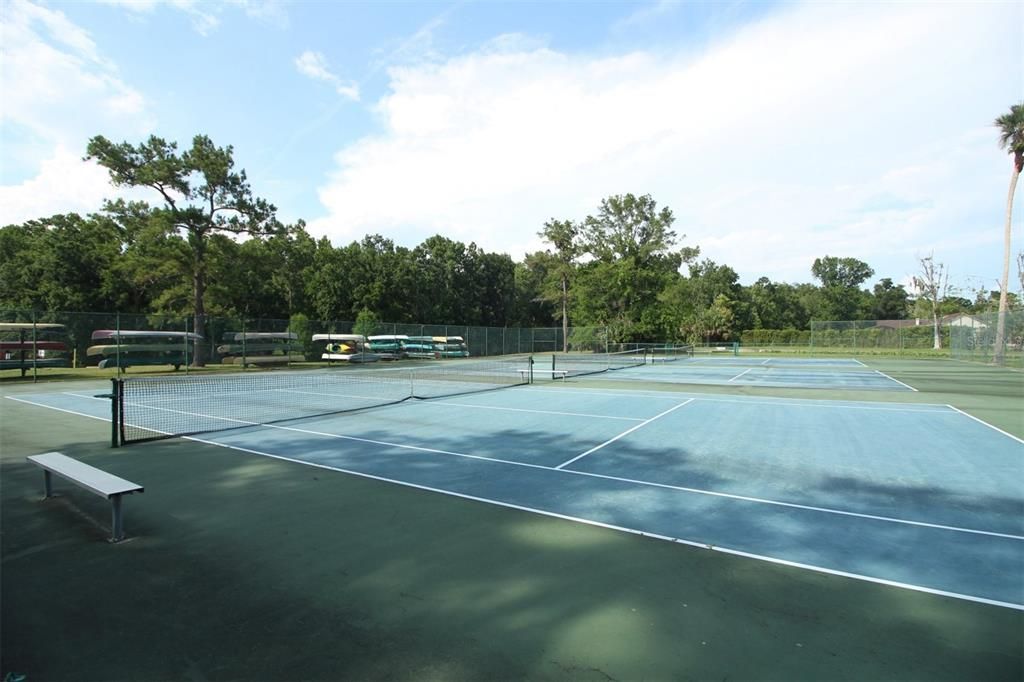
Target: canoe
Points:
(238, 348)
(28, 345)
(263, 359)
(135, 348)
(142, 334)
(351, 357)
(28, 363)
(339, 337)
(138, 361)
(238, 336)
(28, 326)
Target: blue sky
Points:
(776, 132)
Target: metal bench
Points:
(92, 479)
(555, 373)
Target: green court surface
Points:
(242, 566)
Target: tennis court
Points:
(889, 492)
(823, 373)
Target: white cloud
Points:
(314, 65)
(646, 14)
(58, 91)
(64, 184)
(204, 15)
(203, 22)
(851, 130)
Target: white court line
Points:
(624, 433)
(858, 362)
(1010, 435)
(666, 486)
(632, 531)
(443, 402)
(896, 380)
(395, 402)
(79, 395)
(827, 405)
(741, 373)
(59, 409)
(789, 402)
(766, 361)
(698, 491)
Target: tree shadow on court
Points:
(245, 567)
(929, 504)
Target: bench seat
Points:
(94, 480)
(555, 373)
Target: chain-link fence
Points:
(35, 340)
(915, 334)
(976, 338)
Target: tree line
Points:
(209, 247)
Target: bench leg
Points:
(117, 522)
(47, 484)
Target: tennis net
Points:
(149, 408)
(595, 363)
(669, 353)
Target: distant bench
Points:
(555, 373)
(92, 479)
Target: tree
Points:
(564, 236)
(202, 194)
(442, 281)
(328, 288)
(1020, 271)
(533, 305)
(840, 279)
(889, 301)
(64, 262)
(933, 285)
(706, 306)
(497, 275)
(633, 261)
(775, 305)
(366, 323)
(1011, 137)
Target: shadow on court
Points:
(246, 567)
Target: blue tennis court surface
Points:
(828, 373)
(916, 495)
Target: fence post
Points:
(117, 342)
(185, 341)
(35, 352)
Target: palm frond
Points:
(1011, 129)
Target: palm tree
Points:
(1011, 137)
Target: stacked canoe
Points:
(24, 345)
(450, 347)
(260, 348)
(125, 348)
(394, 346)
(388, 346)
(345, 348)
(418, 347)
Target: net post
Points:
(188, 359)
(115, 412)
(35, 350)
(117, 342)
(530, 366)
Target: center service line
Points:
(741, 374)
(625, 433)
